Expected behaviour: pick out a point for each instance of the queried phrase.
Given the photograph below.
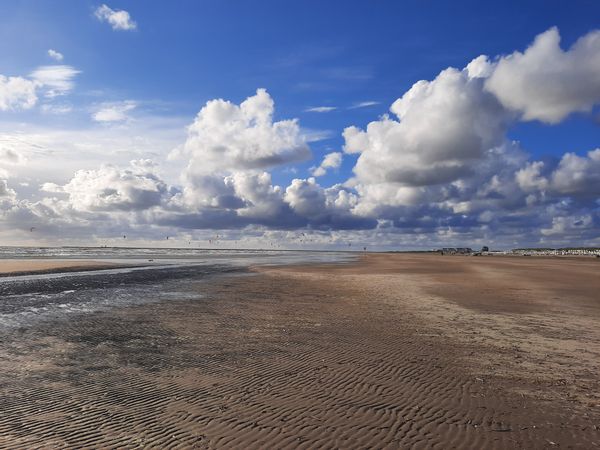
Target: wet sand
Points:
(395, 351)
(11, 267)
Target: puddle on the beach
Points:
(25, 310)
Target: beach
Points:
(386, 351)
(11, 267)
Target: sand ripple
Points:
(277, 360)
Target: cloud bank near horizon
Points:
(438, 169)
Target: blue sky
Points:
(337, 54)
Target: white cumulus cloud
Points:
(578, 175)
(325, 207)
(17, 93)
(566, 225)
(57, 56)
(442, 127)
(227, 149)
(118, 19)
(109, 188)
(530, 178)
(575, 176)
(226, 137)
(547, 83)
(259, 199)
(330, 161)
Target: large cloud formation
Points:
(442, 128)
(228, 137)
(444, 160)
(228, 149)
(228, 140)
(438, 170)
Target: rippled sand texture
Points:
(397, 351)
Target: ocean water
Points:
(196, 255)
(166, 274)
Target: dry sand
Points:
(26, 266)
(395, 351)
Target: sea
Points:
(150, 275)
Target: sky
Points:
(391, 125)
